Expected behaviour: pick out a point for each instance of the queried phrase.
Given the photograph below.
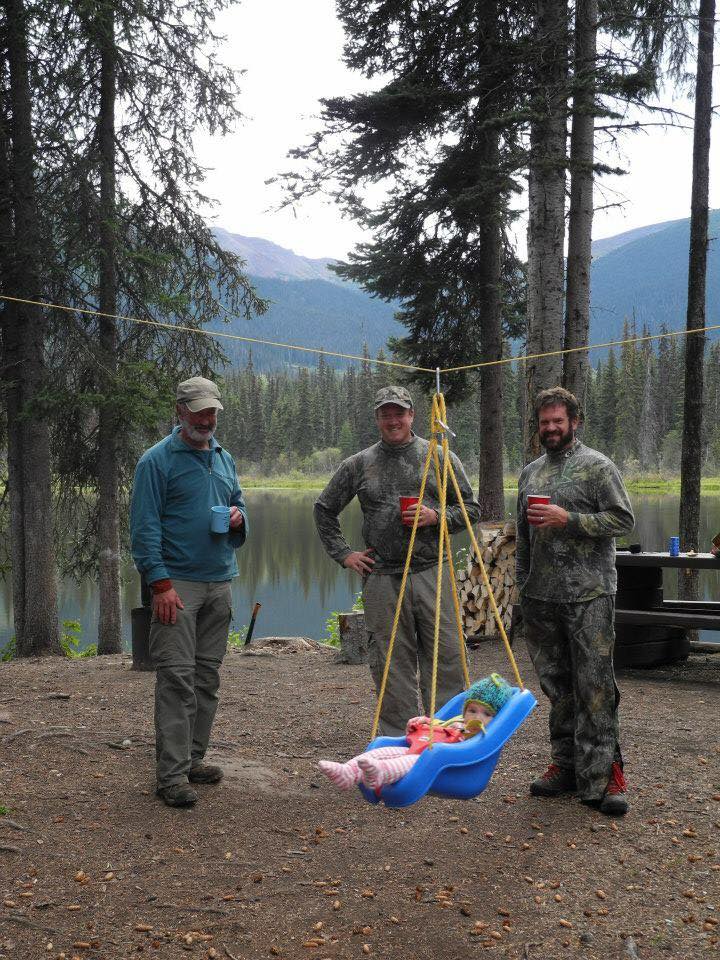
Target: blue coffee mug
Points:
(220, 519)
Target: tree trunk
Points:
(546, 214)
(690, 467)
(582, 151)
(33, 563)
(110, 624)
(490, 489)
(353, 638)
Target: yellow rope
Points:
(523, 358)
(401, 594)
(486, 581)
(451, 573)
(588, 346)
(438, 414)
(176, 327)
(438, 417)
(458, 614)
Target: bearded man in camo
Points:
(379, 476)
(567, 581)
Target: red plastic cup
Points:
(405, 504)
(532, 500)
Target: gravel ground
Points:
(276, 862)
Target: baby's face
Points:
(478, 714)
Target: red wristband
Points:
(161, 586)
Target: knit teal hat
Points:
(491, 692)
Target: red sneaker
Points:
(553, 782)
(614, 801)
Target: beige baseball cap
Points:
(197, 393)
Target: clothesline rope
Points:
(521, 358)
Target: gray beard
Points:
(194, 433)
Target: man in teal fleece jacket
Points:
(189, 569)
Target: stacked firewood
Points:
(497, 543)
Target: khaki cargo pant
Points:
(571, 646)
(413, 648)
(187, 656)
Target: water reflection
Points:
(284, 567)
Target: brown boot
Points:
(553, 782)
(177, 795)
(205, 773)
(614, 800)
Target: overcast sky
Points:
(291, 51)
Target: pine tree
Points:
(24, 328)
(691, 463)
(254, 449)
(608, 400)
(303, 431)
(366, 428)
(629, 401)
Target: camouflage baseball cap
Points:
(197, 393)
(398, 395)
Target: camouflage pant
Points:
(571, 645)
(413, 649)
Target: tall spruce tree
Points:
(128, 187)
(546, 206)
(24, 327)
(691, 463)
(581, 209)
(444, 133)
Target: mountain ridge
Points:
(640, 274)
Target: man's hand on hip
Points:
(165, 606)
(547, 515)
(236, 518)
(360, 561)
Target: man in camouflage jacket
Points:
(567, 581)
(379, 476)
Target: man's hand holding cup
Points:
(542, 513)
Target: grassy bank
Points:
(284, 481)
(650, 483)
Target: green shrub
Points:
(332, 624)
(70, 639)
(236, 638)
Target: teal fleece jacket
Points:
(174, 488)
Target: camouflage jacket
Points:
(379, 476)
(576, 562)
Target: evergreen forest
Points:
(308, 420)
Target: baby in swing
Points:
(383, 765)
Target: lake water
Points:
(284, 567)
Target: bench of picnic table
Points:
(650, 629)
(689, 616)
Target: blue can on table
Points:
(674, 548)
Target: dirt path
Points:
(274, 862)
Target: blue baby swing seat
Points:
(456, 770)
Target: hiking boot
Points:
(553, 782)
(205, 773)
(614, 801)
(177, 795)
